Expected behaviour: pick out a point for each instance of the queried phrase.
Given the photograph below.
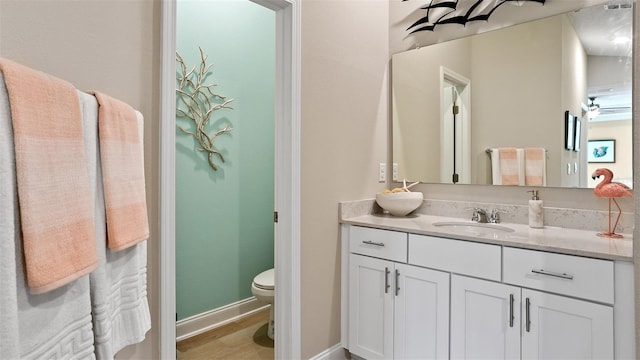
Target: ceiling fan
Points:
(607, 110)
(594, 109)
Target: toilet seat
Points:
(265, 280)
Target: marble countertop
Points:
(550, 238)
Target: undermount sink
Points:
(472, 226)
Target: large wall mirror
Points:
(561, 85)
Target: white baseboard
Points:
(212, 319)
(337, 352)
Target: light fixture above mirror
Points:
(442, 12)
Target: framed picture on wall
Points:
(576, 138)
(569, 135)
(601, 151)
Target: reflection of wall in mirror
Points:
(554, 74)
(574, 93)
(499, 97)
(506, 113)
(619, 131)
(416, 100)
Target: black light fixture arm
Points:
(458, 14)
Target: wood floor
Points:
(243, 339)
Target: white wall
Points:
(608, 71)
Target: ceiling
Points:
(598, 27)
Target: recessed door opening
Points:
(286, 107)
(224, 215)
(455, 113)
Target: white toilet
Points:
(263, 289)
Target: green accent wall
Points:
(224, 218)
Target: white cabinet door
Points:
(485, 319)
(421, 313)
(557, 327)
(371, 295)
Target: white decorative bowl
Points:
(400, 203)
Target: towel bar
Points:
(489, 151)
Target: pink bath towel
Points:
(534, 166)
(509, 166)
(122, 172)
(56, 207)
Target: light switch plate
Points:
(382, 172)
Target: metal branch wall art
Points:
(198, 102)
(456, 12)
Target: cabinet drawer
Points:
(457, 256)
(384, 244)
(563, 274)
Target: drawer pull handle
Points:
(511, 316)
(527, 315)
(554, 274)
(368, 242)
(386, 280)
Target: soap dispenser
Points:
(536, 214)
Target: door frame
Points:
(287, 173)
(464, 86)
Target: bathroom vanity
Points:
(457, 289)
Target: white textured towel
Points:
(58, 324)
(53, 325)
(9, 235)
(119, 285)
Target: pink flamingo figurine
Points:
(610, 190)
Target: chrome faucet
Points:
(479, 215)
(494, 217)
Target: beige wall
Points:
(618, 131)
(344, 131)
(111, 46)
(114, 46)
(573, 94)
(527, 116)
(417, 96)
